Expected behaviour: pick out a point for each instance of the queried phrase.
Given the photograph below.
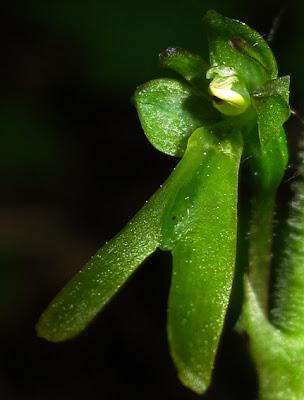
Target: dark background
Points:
(74, 168)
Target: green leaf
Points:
(199, 225)
(233, 43)
(169, 112)
(189, 65)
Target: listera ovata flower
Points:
(210, 117)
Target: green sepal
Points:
(268, 149)
(271, 102)
(199, 228)
(268, 163)
(169, 111)
(233, 43)
(189, 65)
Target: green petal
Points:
(233, 43)
(169, 112)
(200, 225)
(189, 65)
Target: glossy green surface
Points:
(199, 225)
(169, 112)
(85, 295)
(233, 43)
(270, 152)
(189, 65)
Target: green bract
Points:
(212, 116)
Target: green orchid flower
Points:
(213, 116)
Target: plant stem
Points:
(277, 346)
(288, 311)
(260, 240)
(279, 358)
